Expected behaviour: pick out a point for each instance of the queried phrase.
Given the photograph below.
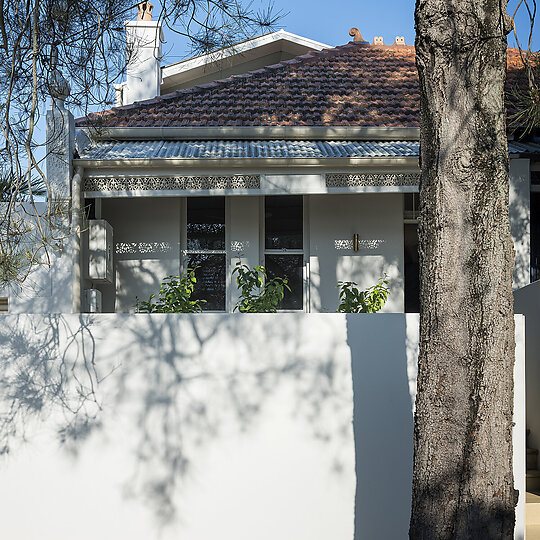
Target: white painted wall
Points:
(520, 426)
(147, 248)
(527, 302)
(231, 426)
(46, 289)
(378, 220)
(243, 237)
(520, 217)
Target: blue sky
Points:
(329, 22)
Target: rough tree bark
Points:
(463, 482)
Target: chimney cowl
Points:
(144, 11)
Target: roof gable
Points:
(241, 58)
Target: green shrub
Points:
(258, 294)
(352, 300)
(174, 296)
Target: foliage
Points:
(9, 187)
(27, 237)
(352, 300)
(258, 294)
(526, 101)
(174, 296)
(76, 49)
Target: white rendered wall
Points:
(213, 426)
(46, 289)
(527, 302)
(520, 426)
(243, 237)
(520, 217)
(378, 220)
(147, 248)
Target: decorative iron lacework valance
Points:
(158, 183)
(385, 179)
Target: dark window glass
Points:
(411, 206)
(283, 222)
(90, 208)
(290, 267)
(412, 269)
(535, 178)
(210, 276)
(535, 236)
(205, 223)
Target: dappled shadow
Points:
(520, 222)
(48, 364)
(205, 376)
(194, 409)
(183, 386)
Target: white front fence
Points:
(243, 427)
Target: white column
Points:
(60, 146)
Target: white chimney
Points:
(144, 38)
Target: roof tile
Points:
(352, 85)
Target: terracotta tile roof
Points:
(351, 85)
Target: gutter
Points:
(354, 133)
(266, 163)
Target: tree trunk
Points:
(463, 482)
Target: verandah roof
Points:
(263, 149)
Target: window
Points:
(205, 248)
(284, 245)
(3, 305)
(411, 206)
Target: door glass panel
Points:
(205, 223)
(210, 276)
(290, 267)
(412, 268)
(283, 222)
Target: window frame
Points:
(304, 251)
(185, 252)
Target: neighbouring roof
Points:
(280, 45)
(352, 85)
(126, 150)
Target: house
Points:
(284, 152)
(280, 151)
(251, 154)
